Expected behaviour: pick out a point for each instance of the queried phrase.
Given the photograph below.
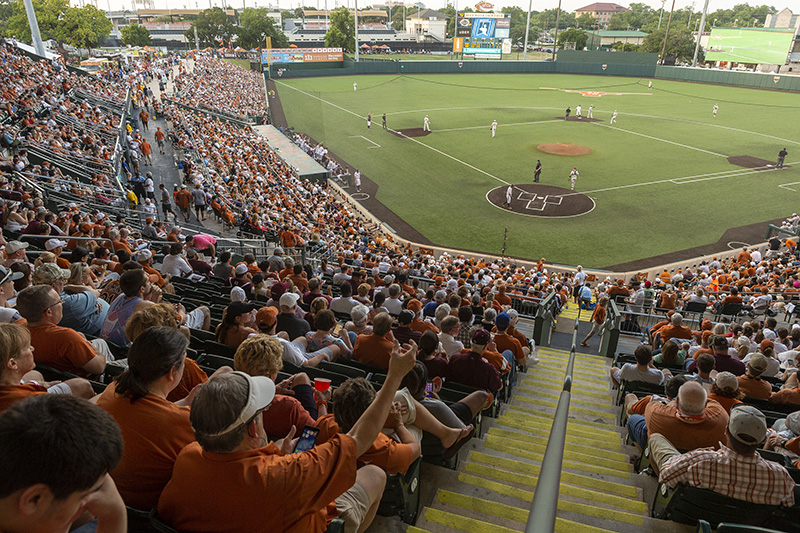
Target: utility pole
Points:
(666, 35)
(689, 21)
(36, 37)
(196, 40)
(700, 34)
(527, 30)
(355, 2)
(661, 13)
(555, 39)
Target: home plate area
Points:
(537, 200)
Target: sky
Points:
(538, 5)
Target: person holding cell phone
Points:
(233, 477)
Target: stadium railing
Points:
(542, 516)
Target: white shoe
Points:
(532, 361)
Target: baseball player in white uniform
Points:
(716, 108)
(426, 124)
(589, 112)
(578, 111)
(650, 84)
(355, 86)
(357, 179)
(614, 117)
(494, 128)
(573, 177)
(509, 191)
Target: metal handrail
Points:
(542, 517)
(31, 237)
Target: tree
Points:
(625, 47)
(214, 28)
(586, 22)
(680, 43)
(81, 27)
(342, 33)
(255, 25)
(135, 35)
(573, 35)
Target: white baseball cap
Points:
(52, 244)
(261, 391)
(289, 299)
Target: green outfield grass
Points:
(438, 183)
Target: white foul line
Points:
(662, 140)
(368, 140)
(784, 186)
(402, 135)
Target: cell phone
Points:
(429, 387)
(307, 439)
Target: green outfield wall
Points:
(598, 63)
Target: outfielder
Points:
(494, 128)
(614, 117)
(426, 124)
(716, 108)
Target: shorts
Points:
(596, 327)
(195, 318)
(352, 507)
(305, 395)
(60, 388)
(462, 411)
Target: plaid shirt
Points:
(464, 334)
(726, 472)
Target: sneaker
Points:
(532, 360)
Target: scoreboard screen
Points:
(483, 33)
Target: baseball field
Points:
(666, 177)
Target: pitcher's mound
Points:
(563, 149)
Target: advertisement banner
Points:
(301, 55)
(463, 27)
(506, 46)
(458, 44)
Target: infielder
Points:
(578, 111)
(566, 113)
(781, 156)
(357, 179)
(573, 177)
(426, 124)
(383, 118)
(614, 117)
(589, 112)
(509, 191)
(716, 108)
(494, 128)
(369, 120)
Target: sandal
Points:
(453, 450)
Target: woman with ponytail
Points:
(154, 429)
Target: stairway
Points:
(492, 490)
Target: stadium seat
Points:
(785, 408)
(693, 308)
(139, 520)
(729, 310)
(215, 361)
(687, 505)
(217, 348)
(401, 495)
(349, 371)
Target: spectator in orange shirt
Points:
(56, 246)
(675, 330)
(238, 323)
(376, 348)
(138, 402)
(504, 341)
(598, 319)
(19, 380)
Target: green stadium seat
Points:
(401, 495)
(687, 505)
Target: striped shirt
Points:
(748, 478)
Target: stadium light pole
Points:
(700, 34)
(527, 30)
(666, 34)
(661, 13)
(555, 39)
(36, 37)
(355, 3)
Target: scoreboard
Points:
(484, 34)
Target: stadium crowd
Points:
(106, 305)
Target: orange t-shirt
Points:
(193, 375)
(786, 396)
(507, 342)
(725, 402)
(16, 393)
(687, 434)
(154, 430)
(599, 314)
(63, 263)
(294, 493)
(675, 332)
(755, 388)
(423, 325)
(61, 348)
(283, 413)
(386, 453)
(373, 350)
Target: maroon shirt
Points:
(471, 369)
(437, 367)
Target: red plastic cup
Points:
(322, 384)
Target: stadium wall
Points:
(756, 80)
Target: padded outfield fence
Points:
(596, 63)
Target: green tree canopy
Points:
(342, 32)
(573, 35)
(82, 27)
(255, 25)
(213, 25)
(680, 43)
(135, 35)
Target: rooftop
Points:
(602, 6)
